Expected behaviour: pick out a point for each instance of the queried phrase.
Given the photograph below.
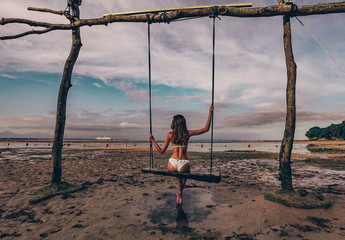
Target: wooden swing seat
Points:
(198, 177)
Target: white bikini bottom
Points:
(178, 164)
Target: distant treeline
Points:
(332, 132)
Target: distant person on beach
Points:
(179, 138)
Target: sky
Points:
(109, 96)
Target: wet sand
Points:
(120, 202)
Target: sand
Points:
(118, 201)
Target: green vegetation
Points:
(332, 132)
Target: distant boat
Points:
(103, 138)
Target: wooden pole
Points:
(62, 100)
(287, 142)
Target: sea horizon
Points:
(30, 139)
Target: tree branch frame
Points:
(269, 11)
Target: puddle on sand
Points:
(160, 208)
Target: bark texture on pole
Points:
(62, 100)
(287, 143)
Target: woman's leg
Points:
(179, 191)
(180, 185)
(184, 169)
(181, 182)
(171, 168)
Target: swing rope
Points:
(311, 34)
(214, 15)
(149, 60)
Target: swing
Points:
(199, 177)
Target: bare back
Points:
(179, 152)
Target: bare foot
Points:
(179, 198)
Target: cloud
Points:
(274, 116)
(267, 123)
(126, 124)
(83, 124)
(44, 123)
(97, 85)
(94, 128)
(250, 72)
(130, 90)
(8, 76)
(173, 98)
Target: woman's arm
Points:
(207, 126)
(166, 144)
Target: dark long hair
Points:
(180, 134)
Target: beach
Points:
(118, 201)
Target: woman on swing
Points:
(179, 138)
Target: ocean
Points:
(274, 147)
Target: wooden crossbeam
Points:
(175, 9)
(197, 177)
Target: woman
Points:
(179, 138)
